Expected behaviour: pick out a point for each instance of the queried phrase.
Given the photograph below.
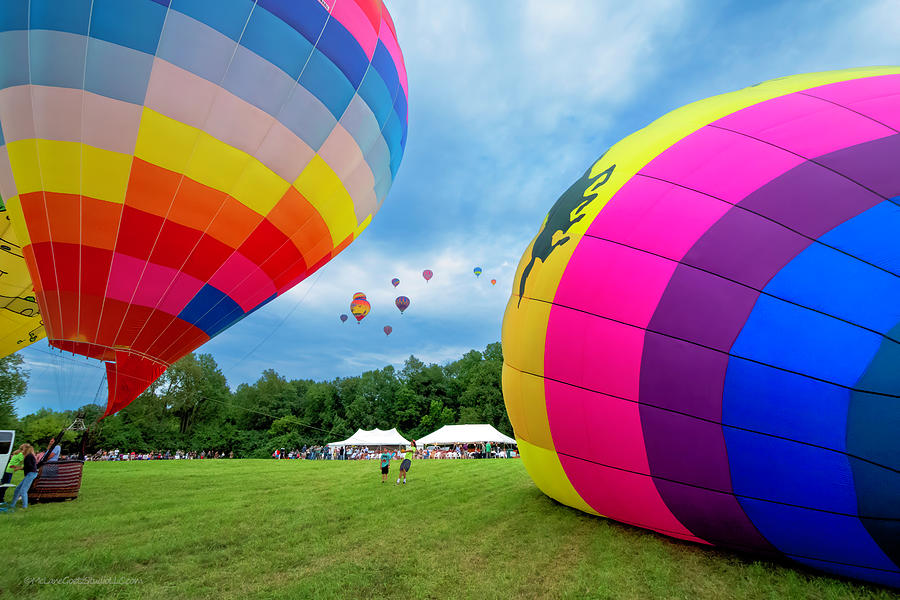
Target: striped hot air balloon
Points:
(703, 336)
(169, 166)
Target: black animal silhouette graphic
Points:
(560, 219)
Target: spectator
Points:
(29, 465)
(15, 462)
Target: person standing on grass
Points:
(15, 464)
(407, 462)
(385, 464)
(29, 465)
(487, 450)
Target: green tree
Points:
(13, 384)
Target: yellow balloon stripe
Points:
(324, 190)
(69, 168)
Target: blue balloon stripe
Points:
(228, 17)
(134, 24)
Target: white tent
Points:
(375, 437)
(465, 434)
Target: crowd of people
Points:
(455, 451)
(158, 455)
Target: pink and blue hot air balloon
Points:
(704, 335)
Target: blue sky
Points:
(510, 100)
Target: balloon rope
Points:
(278, 326)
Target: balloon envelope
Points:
(388, 329)
(343, 318)
(20, 318)
(171, 167)
(493, 282)
(395, 282)
(477, 271)
(360, 307)
(359, 295)
(402, 303)
(709, 350)
(427, 274)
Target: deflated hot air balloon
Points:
(703, 336)
(477, 271)
(343, 318)
(360, 307)
(388, 329)
(427, 274)
(169, 168)
(402, 303)
(395, 282)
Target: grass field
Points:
(302, 529)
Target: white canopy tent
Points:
(465, 434)
(374, 437)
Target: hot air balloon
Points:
(477, 271)
(427, 274)
(402, 303)
(360, 307)
(344, 318)
(359, 295)
(493, 282)
(388, 329)
(20, 318)
(395, 282)
(702, 337)
(171, 167)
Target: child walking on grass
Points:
(385, 464)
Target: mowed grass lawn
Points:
(475, 529)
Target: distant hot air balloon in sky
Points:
(360, 307)
(343, 318)
(477, 271)
(388, 329)
(427, 274)
(395, 282)
(169, 167)
(359, 295)
(402, 303)
(493, 282)
(702, 336)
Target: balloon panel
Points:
(20, 318)
(171, 167)
(701, 336)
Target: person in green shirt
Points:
(407, 462)
(15, 464)
(487, 450)
(385, 464)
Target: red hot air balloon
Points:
(402, 303)
(427, 274)
(493, 282)
(395, 282)
(388, 329)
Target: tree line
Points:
(192, 408)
